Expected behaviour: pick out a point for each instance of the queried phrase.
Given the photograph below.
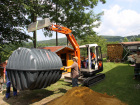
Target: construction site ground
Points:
(118, 82)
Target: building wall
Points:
(114, 52)
(69, 55)
(132, 47)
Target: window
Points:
(70, 57)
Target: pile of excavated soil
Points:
(85, 96)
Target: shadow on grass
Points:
(28, 96)
(119, 82)
(62, 90)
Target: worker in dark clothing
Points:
(74, 72)
(8, 84)
(8, 88)
(137, 65)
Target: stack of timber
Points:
(114, 52)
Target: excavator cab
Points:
(91, 59)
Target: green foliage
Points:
(120, 39)
(94, 39)
(7, 49)
(12, 21)
(16, 15)
(79, 21)
(69, 13)
(137, 39)
(117, 42)
(62, 42)
(27, 45)
(125, 39)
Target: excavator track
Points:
(93, 80)
(87, 81)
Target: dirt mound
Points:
(85, 96)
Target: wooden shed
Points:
(66, 53)
(114, 52)
(132, 46)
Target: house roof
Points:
(56, 48)
(131, 43)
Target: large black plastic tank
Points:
(33, 68)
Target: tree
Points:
(35, 9)
(78, 20)
(71, 13)
(94, 39)
(125, 39)
(137, 39)
(12, 22)
(7, 49)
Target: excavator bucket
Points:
(39, 25)
(33, 68)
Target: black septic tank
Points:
(33, 68)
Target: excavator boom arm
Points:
(71, 38)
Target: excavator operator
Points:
(92, 59)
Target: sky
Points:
(121, 18)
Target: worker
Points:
(100, 64)
(2, 77)
(8, 84)
(74, 71)
(92, 55)
(137, 65)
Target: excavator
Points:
(90, 67)
(33, 68)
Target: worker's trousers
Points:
(8, 90)
(8, 84)
(74, 82)
(137, 69)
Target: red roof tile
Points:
(131, 43)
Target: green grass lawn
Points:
(119, 82)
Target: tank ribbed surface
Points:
(23, 80)
(33, 59)
(33, 68)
